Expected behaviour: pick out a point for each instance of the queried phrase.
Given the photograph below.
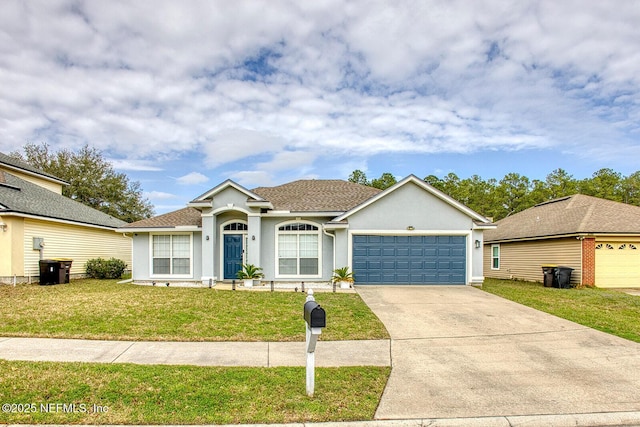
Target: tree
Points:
(435, 182)
(512, 194)
(385, 181)
(631, 189)
(92, 180)
(358, 177)
(560, 184)
(604, 183)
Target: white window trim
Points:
(317, 232)
(492, 257)
(171, 276)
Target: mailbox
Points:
(314, 315)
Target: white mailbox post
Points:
(315, 319)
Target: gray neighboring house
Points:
(410, 233)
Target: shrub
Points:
(99, 268)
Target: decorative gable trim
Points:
(425, 186)
(253, 200)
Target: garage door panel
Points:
(409, 259)
(457, 252)
(402, 252)
(359, 252)
(617, 264)
(388, 252)
(416, 252)
(399, 278)
(430, 251)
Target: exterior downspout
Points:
(130, 237)
(333, 237)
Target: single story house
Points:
(598, 238)
(410, 233)
(37, 221)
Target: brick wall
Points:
(589, 261)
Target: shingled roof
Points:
(18, 196)
(577, 214)
(13, 163)
(332, 195)
(316, 195)
(181, 217)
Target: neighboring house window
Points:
(171, 255)
(495, 257)
(298, 246)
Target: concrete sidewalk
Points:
(259, 354)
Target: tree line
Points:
(498, 199)
(92, 180)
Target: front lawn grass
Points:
(104, 309)
(606, 310)
(88, 393)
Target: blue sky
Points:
(181, 95)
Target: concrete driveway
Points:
(461, 352)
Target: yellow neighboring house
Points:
(597, 238)
(38, 222)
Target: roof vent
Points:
(561, 199)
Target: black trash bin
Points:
(564, 277)
(49, 272)
(550, 277)
(55, 271)
(64, 269)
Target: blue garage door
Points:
(409, 260)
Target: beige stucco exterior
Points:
(61, 240)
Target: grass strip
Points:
(88, 393)
(103, 309)
(606, 310)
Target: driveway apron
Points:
(461, 352)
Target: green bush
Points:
(99, 268)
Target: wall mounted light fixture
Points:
(411, 228)
(206, 237)
(477, 243)
(3, 226)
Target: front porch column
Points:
(254, 231)
(208, 244)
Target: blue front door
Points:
(232, 255)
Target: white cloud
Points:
(247, 86)
(134, 165)
(159, 195)
(252, 179)
(192, 178)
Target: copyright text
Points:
(53, 408)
